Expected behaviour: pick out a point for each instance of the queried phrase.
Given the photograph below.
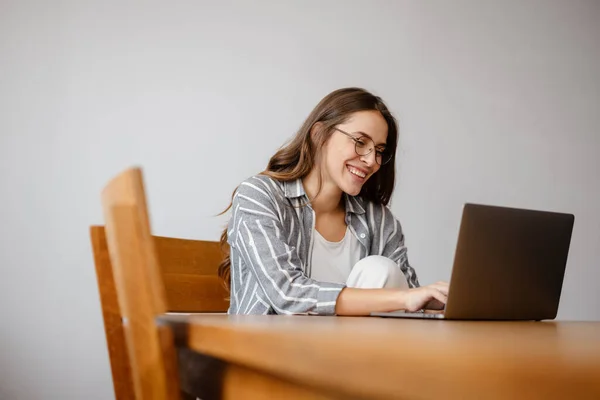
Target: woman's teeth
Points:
(357, 172)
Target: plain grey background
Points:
(498, 103)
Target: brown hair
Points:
(297, 158)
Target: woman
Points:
(312, 233)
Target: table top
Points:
(402, 358)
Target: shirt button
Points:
(362, 235)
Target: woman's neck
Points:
(329, 198)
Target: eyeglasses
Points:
(362, 148)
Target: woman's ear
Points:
(314, 131)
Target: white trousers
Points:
(376, 272)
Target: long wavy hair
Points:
(297, 158)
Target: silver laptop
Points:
(509, 265)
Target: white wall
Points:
(499, 102)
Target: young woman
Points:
(312, 234)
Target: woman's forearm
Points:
(353, 301)
(357, 302)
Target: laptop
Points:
(509, 264)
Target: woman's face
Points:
(365, 131)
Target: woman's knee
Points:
(377, 272)
(377, 265)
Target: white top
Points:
(333, 261)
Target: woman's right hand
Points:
(431, 297)
(353, 301)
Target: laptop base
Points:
(426, 314)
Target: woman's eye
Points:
(360, 143)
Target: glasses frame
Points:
(356, 140)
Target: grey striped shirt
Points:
(270, 238)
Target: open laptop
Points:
(509, 265)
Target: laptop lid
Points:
(509, 263)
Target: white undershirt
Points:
(333, 261)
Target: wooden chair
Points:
(141, 276)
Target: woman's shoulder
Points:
(261, 186)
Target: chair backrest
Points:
(140, 277)
(141, 294)
(189, 270)
(111, 313)
(189, 273)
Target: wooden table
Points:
(297, 357)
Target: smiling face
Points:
(364, 130)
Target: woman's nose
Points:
(370, 158)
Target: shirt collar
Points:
(293, 189)
(354, 204)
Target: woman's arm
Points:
(353, 301)
(257, 232)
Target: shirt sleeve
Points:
(257, 232)
(394, 247)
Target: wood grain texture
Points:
(393, 358)
(244, 383)
(190, 293)
(187, 256)
(111, 313)
(155, 274)
(189, 273)
(140, 289)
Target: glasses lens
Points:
(362, 147)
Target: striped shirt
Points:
(270, 239)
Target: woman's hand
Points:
(431, 297)
(352, 301)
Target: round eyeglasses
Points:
(364, 145)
